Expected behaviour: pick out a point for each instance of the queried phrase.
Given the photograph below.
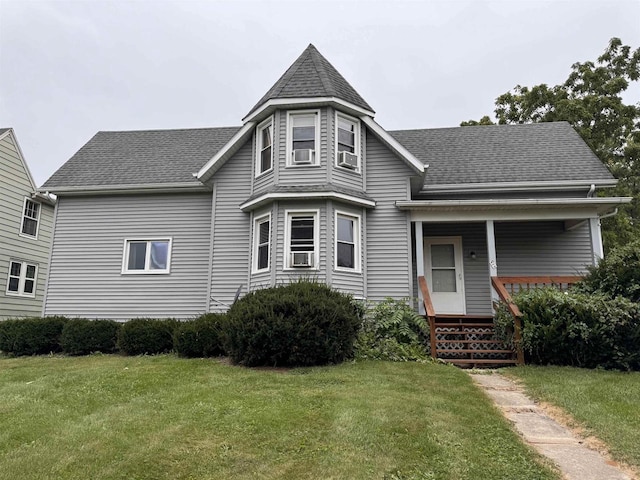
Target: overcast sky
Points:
(71, 68)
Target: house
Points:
(176, 222)
(26, 225)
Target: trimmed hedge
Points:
(146, 336)
(300, 324)
(31, 336)
(81, 336)
(200, 337)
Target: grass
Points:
(113, 417)
(605, 403)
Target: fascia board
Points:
(519, 186)
(126, 189)
(21, 155)
(225, 152)
(304, 102)
(394, 145)
(267, 197)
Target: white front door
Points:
(443, 269)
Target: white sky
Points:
(71, 68)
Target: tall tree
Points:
(590, 100)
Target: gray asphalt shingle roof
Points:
(312, 76)
(141, 157)
(503, 153)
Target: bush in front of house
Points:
(32, 335)
(81, 336)
(574, 328)
(200, 337)
(146, 336)
(393, 330)
(300, 324)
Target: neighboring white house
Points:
(26, 224)
(173, 222)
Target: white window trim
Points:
(22, 279)
(289, 149)
(288, 214)
(268, 122)
(357, 236)
(146, 271)
(256, 242)
(357, 141)
(24, 204)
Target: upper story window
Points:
(347, 242)
(30, 218)
(261, 242)
(264, 147)
(303, 138)
(22, 279)
(147, 256)
(347, 142)
(301, 249)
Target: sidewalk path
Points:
(569, 453)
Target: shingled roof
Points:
(503, 153)
(312, 76)
(141, 157)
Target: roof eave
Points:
(303, 102)
(552, 185)
(226, 152)
(125, 189)
(258, 202)
(394, 145)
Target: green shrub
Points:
(304, 323)
(146, 335)
(81, 336)
(574, 328)
(393, 330)
(200, 337)
(31, 336)
(618, 274)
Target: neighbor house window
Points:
(30, 217)
(302, 240)
(303, 138)
(22, 278)
(147, 256)
(348, 142)
(261, 241)
(347, 242)
(264, 148)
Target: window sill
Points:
(147, 272)
(30, 237)
(351, 271)
(306, 165)
(351, 171)
(20, 295)
(301, 269)
(264, 174)
(260, 272)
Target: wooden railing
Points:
(430, 313)
(507, 286)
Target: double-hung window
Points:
(302, 240)
(30, 218)
(264, 147)
(303, 138)
(348, 142)
(22, 278)
(347, 242)
(261, 242)
(147, 256)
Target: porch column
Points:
(419, 262)
(492, 258)
(596, 239)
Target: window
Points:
(264, 147)
(303, 138)
(347, 142)
(261, 241)
(147, 256)
(30, 217)
(22, 279)
(347, 242)
(302, 240)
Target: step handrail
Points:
(430, 312)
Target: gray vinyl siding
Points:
(388, 246)
(542, 248)
(349, 282)
(86, 276)
(476, 271)
(231, 229)
(15, 185)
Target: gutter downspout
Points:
(591, 190)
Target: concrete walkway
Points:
(569, 453)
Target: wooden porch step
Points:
(476, 325)
(471, 350)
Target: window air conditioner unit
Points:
(301, 259)
(303, 157)
(348, 159)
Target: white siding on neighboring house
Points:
(15, 185)
(86, 276)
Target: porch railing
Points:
(507, 286)
(430, 312)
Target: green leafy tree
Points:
(591, 101)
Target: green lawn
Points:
(606, 403)
(160, 417)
